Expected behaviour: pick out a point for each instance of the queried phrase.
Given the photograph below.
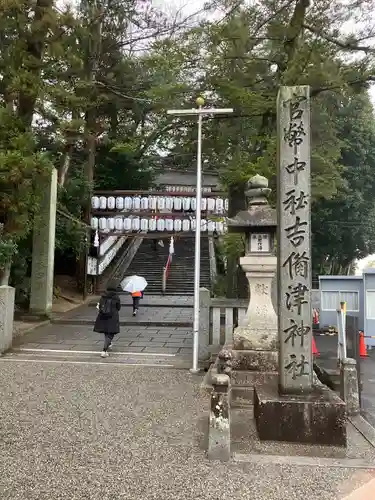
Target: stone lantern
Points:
(257, 336)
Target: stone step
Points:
(128, 322)
(80, 357)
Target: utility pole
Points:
(200, 111)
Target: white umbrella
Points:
(133, 284)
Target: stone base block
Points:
(255, 339)
(258, 361)
(6, 317)
(315, 418)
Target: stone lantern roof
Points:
(259, 213)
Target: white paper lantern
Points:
(111, 223)
(127, 224)
(177, 203)
(120, 203)
(203, 225)
(128, 203)
(144, 203)
(211, 226)
(204, 204)
(186, 203)
(193, 203)
(136, 203)
(136, 224)
(102, 203)
(144, 224)
(169, 224)
(161, 203)
(95, 202)
(177, 225)
(220, 227)
(94, 223)
(152, 225)
(152, 202)
(210, 204)
(169, 203)
(102, 223)
(219, 205)
(226, 204)
(186, 225)
(193, 224)
(111, 203)
(160, 225)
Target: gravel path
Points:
(77, 432)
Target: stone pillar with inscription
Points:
(44, 251)
(290, 407)
(255, 340)
(294, 240)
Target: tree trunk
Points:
(65, 164)
(5, 274)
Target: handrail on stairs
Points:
(167, 267)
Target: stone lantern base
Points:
(255, 343)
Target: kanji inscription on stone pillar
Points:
(294, 239)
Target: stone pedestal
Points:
(219, 423)
(318, 417)
(204, 323)
(44, 251)
(6, 317)
(256, 340)
(349, 386)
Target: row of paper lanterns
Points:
(136, 224)
(218, 205)
(186, 189)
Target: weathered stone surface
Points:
(249, 379)
(44, 251)
(349, 386)
(317, 417)
(259, 328)
(219, 424)
(262, 361)
(6, 317)
(294, 239)
(204, 323)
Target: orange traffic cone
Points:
(362, 345)
(314, 349)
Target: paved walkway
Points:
(162, 327)
(109, 432)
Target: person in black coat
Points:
(108, 320)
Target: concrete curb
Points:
(364, 427)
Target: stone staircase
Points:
(181, 276)
(149, 263)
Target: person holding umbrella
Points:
(135, 285)
(108, 320)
